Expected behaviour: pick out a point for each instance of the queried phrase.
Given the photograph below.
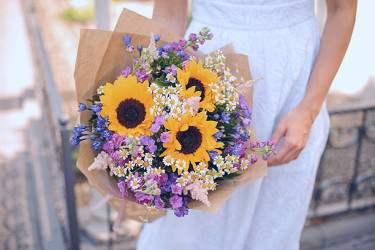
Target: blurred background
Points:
(45, 201)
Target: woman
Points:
(281, 38)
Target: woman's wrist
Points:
(310, 108)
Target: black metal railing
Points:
(57, 135)
(346, 176)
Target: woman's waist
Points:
(252, 17)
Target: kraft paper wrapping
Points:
(100, 58)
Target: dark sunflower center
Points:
(198, 86)
(130, 113)
(190, 140)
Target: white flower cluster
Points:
(168, 101)
(227, 94)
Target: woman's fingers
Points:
(279, 132)
(278, 159)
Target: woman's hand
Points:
(295, 128)
(295, 125)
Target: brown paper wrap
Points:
(100, 58)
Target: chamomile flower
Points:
(218, 161)
(180, 164)
(139, 162)
(244, 164)
(135, 183)
(152, 209)
(168, 160)
(100, 90)
(171, 78)
(119, 171)
(146, 164)
(130, 165)
(153, 88)
(148, 157)
(123, 154)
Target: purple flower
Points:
(181, 212)
(225, 117)
(195, 47)
(237, 129)
(173, 176)
(246, 122)
(242, 103)
(96, 108)
(236, 115)
(216, 116)
(97, 145)
(82, 107)
(172, 69)
(202, 41)
(146, 140)
(164, 137)
(130, 49)
(210, 36)
(182, 43)
(159, 203)
(245, 135)
(175, 201)
(163, 179)
(157, 38)
(127, 39)
(253, 159)
(78, 132)
(247, 113)
(127, 71)
(165, 46)
(140, 48)
(218, 135)
(236, 149)
(174, 46)
(164, 55)
(212, 154)
(106, 135)
(155, 128)
(143, 199)
(176, 189)
(192, 37)
(122, 186)
(159, 119)
(142, 75)
(152, 148)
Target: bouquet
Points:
(168, 127)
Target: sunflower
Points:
(191, 139)
(127, 104)
(196, 81)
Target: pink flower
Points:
(102, 161)
(193, 102)
(164, 137)
(197, 192)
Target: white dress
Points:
(281, 38)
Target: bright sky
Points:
(359, 61)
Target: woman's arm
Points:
(172, 14)
(295, 125)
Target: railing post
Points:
(67, 164)
(353, 186)
(102, 17)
